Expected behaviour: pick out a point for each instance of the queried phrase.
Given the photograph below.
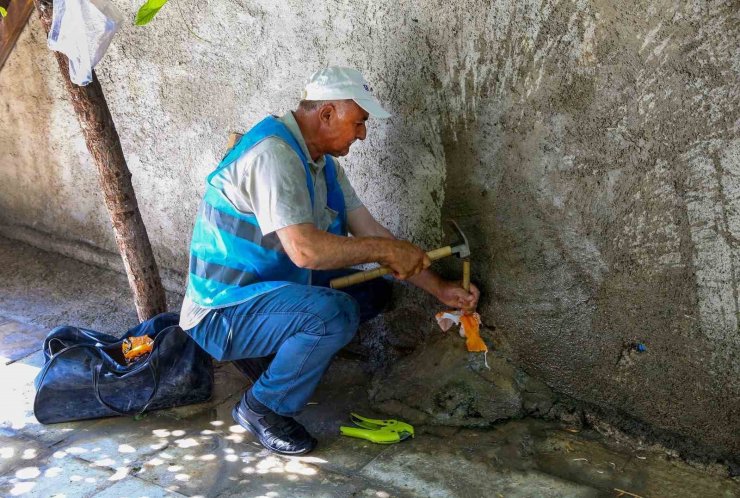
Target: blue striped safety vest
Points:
(230, 260)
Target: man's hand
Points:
(362, 224)
(453, 295)
(405, 259)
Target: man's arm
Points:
(363, 224)
(309, 247)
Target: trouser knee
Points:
(340, 313)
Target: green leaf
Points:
(147, 11)
(3, 12)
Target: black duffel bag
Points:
(86, 376)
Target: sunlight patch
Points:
(160, 445)
(29, 454)
(76, 450)
(22, 488)
(121, 472)
(297, 467)
(53, 472)
(187, 443)
(28, 473)
(308, 459)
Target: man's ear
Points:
(326, 112)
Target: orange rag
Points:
(470, 323)
(469, 327)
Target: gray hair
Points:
(312, 105)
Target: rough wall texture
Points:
(590, 151)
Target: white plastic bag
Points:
(82, 30)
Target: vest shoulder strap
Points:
(268, 127)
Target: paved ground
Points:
(198, 451)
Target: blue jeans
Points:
(304, 326)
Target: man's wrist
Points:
(384, 250)
(428, 281)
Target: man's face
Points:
(342, 122)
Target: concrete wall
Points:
(589, 149)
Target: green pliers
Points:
(378, 431)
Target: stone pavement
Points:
(199, 451)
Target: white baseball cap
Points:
(343, 83)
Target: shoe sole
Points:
(250, 428)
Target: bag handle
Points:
(45, 369)
(155, 378)
(95, 376)
(98, 369)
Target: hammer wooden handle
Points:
(359, 277)
(364, 276)
(440, 253)
(466, 274)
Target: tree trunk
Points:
(115, 179)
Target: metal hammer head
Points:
(460, 247)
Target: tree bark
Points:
(104, 145)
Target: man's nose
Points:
(362, 133)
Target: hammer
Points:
(460, 248)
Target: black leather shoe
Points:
(276, 433)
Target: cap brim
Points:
(373, 108)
